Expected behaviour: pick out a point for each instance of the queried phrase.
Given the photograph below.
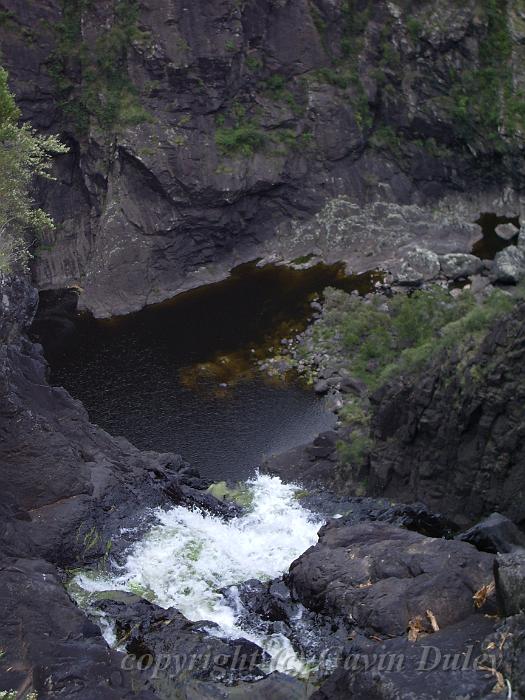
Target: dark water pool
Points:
(180, 376)
(490, 244)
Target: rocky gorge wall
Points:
(205, 134)
(453, 436)
(202, 135)
(66, 488)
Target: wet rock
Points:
(270, 601)
(510, 582)
(295, 466)
(182, 495)
(509, 265)
(277, 686)
(66, 487)
(180, 647)
(506, 231)
(270, 607)
(445, 664)
(495, 534)
(77, 484)
(380, 577)
(311, 464)
(456, 265)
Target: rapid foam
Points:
(186, 559)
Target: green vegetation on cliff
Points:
(380, 339)
(376, 340)
(92, 78)
(24, 155)
(484, 101)
(474, 84)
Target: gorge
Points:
(261, 371)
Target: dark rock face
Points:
(49, 644)
(509, 641)
(63, 477)
(495, 534)
(66, 487)
(434, 667)
(510, 582)
(146, 209)
(380, 577)
(311, 464)
(454, 437)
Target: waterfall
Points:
(189, 556)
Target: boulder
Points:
(509, 265)
(510, 582)
(350, 385)
(495, 534)
(480, 286)
(456, 265)
(324, 446)
(416, 517)
(321, 387)
(380, 577)
(418, 265)
(506, 231)
(433, 667)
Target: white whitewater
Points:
(188, 556)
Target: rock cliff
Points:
(207, 133)
(454, 437)
(66, 487)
